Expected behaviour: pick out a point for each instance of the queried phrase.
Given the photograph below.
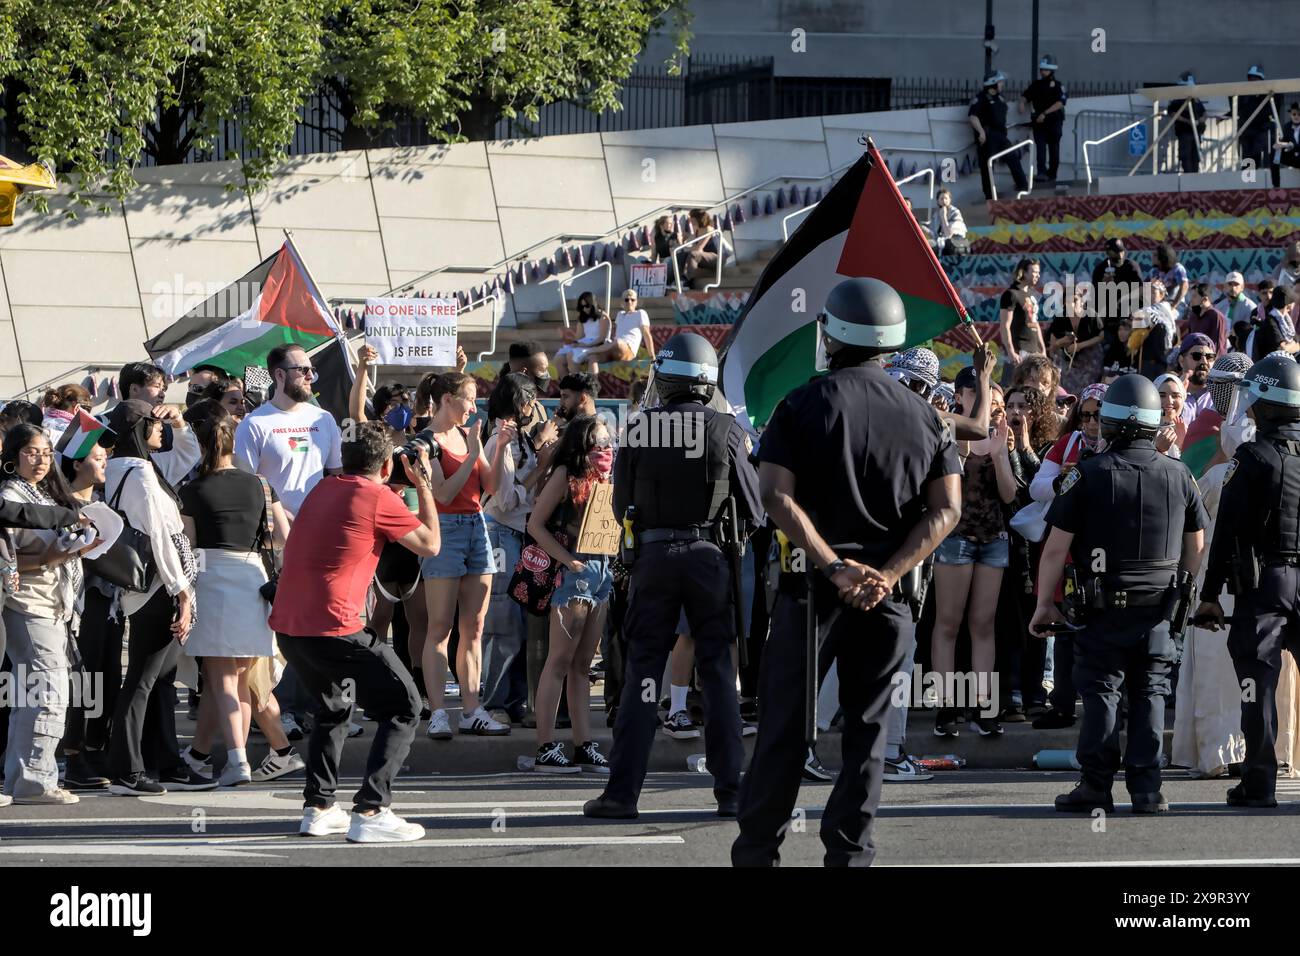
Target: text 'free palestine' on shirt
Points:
(290, 449)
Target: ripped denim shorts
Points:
(593, 583)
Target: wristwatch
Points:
(834, 568)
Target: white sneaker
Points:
(291, 728)
(439, 726)
(201, 767)
(56, 797)
(274, 766)
(235, 774)
(355, 729)
(383, 826)
(5, 799)
(481, 723)
(317, 822)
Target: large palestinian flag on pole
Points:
(861, 229)
(276, 303)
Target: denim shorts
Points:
(593, 583)
(465, 548)
(955, 549)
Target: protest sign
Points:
(649, 279)
(412, 331)
(599, 531)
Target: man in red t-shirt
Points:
(339, 531)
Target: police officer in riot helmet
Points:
(679, 465)
(1129, 592)
(1256, 552)
(861, 478)
(988, 118)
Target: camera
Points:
(423, 439)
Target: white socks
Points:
(237, 756)
(678, 695)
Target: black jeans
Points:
(100, 642)
(152, 653)
(869, 648)
(1266, 622)
(339, 672)
(670, 577)
(1123, 654)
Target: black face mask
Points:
(192, 398)
(543, 382)
(1198, 308)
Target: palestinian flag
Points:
(275, 304)
(81, 435)
(862, 229)
(1202, 441)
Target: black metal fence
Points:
(709, 89)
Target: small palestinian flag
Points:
(299, 445)
(275, 304)
(81, 435)
(861, 229)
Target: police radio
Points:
(627, 541)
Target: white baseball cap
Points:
(1234, 277)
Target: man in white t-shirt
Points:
(288, 441)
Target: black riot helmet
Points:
(863, 318)
(686, 365)
(1130, 409)
(1271, 387)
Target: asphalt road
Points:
(520, 819)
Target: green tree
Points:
(103, 84)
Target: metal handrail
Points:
(929, 209)
(62, 379)
(785, 220)
(1087, 166)
(1159, 134)
(609, 288)
(677, 268)
(498, 310)
(1024, 143)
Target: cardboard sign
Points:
(649, 279)
(600, 531)
(412, 331)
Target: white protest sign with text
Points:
(412, 331)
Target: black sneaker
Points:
(551, 759)
(1012, 715)
(945, 722)
(589, 758)
(82, 775)
(679, 726)
(136, 785)
(183, 778)
(1238, 797)
(813, 769)
(985, 726)
(1053, 720)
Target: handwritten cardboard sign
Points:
(412, 331)
(600, 531)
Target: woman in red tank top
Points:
(460, 574)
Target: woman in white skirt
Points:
(225, 511)
(596, 329)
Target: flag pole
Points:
(339, 337)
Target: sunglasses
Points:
(1089, 416)
(1202, 356)
(1064, 402)
(306, 370)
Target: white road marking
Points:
(243, 799)
(128, 849)
(247, 846)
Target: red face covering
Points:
(602, 460)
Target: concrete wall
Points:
(80, 291)
(1151, 41)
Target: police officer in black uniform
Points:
(1131, 585)
(849, 457)
(1255, 134)
(1256, 551)
(988, 117)
(1045, 100)
(1188, 127)
(679, 463)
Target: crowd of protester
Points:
(217, 490)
